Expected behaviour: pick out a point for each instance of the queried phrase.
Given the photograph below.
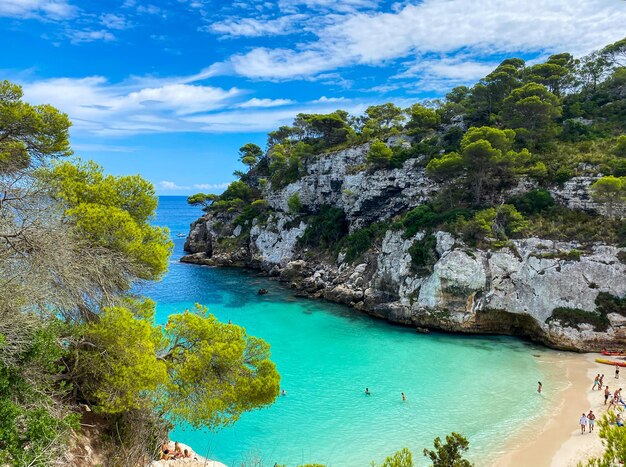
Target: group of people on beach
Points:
(614, 400)
(177, 453)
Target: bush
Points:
(379, 155)
(426, 216)
(533, 201)
(326, 228)
(620, 147)
(294, 204)
(573, 317)
(608, 303)
(423, 254)
(362, 240)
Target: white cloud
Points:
(252, 27)
(51, 9)
(167, 185)
(96, 106)
(77, 37)
(173, 186)
(112, 21)
(442, 27)
(442, 74)
(211, 186)
(281, 64)
(256, 102)
(325, 99)
(328, 5)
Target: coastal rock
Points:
(511, 290)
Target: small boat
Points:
(610, 362)
(613, 354)
(181, 235)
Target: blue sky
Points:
(170, 89)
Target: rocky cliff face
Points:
(511, 290)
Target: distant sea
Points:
(482, 387)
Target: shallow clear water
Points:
(483, 387)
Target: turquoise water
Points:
(483, 387)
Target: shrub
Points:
(362, 240)
(620, 146)
(326, 228)
(379, 155)
(533, 201)
(608, 303)
(423, 254)
(294, 204)
(573, 317)
(426, 216)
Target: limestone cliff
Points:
(513, 289)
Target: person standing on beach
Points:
(601, 382)
(596, 381)
(583, 424)
(616, 371)
(607, 393)
(592, 420)
(539, 387)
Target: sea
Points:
(483, 387)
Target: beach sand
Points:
(555, 440)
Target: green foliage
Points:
(610, 191)
(113, 213)
(216, 371)
(486, 159)
(620, 146)
(126, 370)
(428, 217)
(381, 121)
(423, 254)
(608, 303)
(249, 154)
(613, 440)
(533, 201)
(561, 223)
(285, 164)
(202, 199)
(33, 425)
(402, 458)
(556, 74)
(195, 369)
(573, 317)
(379, 155)
(29, 135)
(325, 229)
(500, 223)
(450, 453)
(362, 240)
(294, 204)
(422, 119)
(531, 111)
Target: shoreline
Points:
(558, 442)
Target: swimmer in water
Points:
(539, 387)
(403, 397)
(283, 393)
(367, 391)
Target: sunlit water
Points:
(483, 387)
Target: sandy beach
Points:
(555, 440)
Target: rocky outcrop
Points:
(339, 179)
(509, 290)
